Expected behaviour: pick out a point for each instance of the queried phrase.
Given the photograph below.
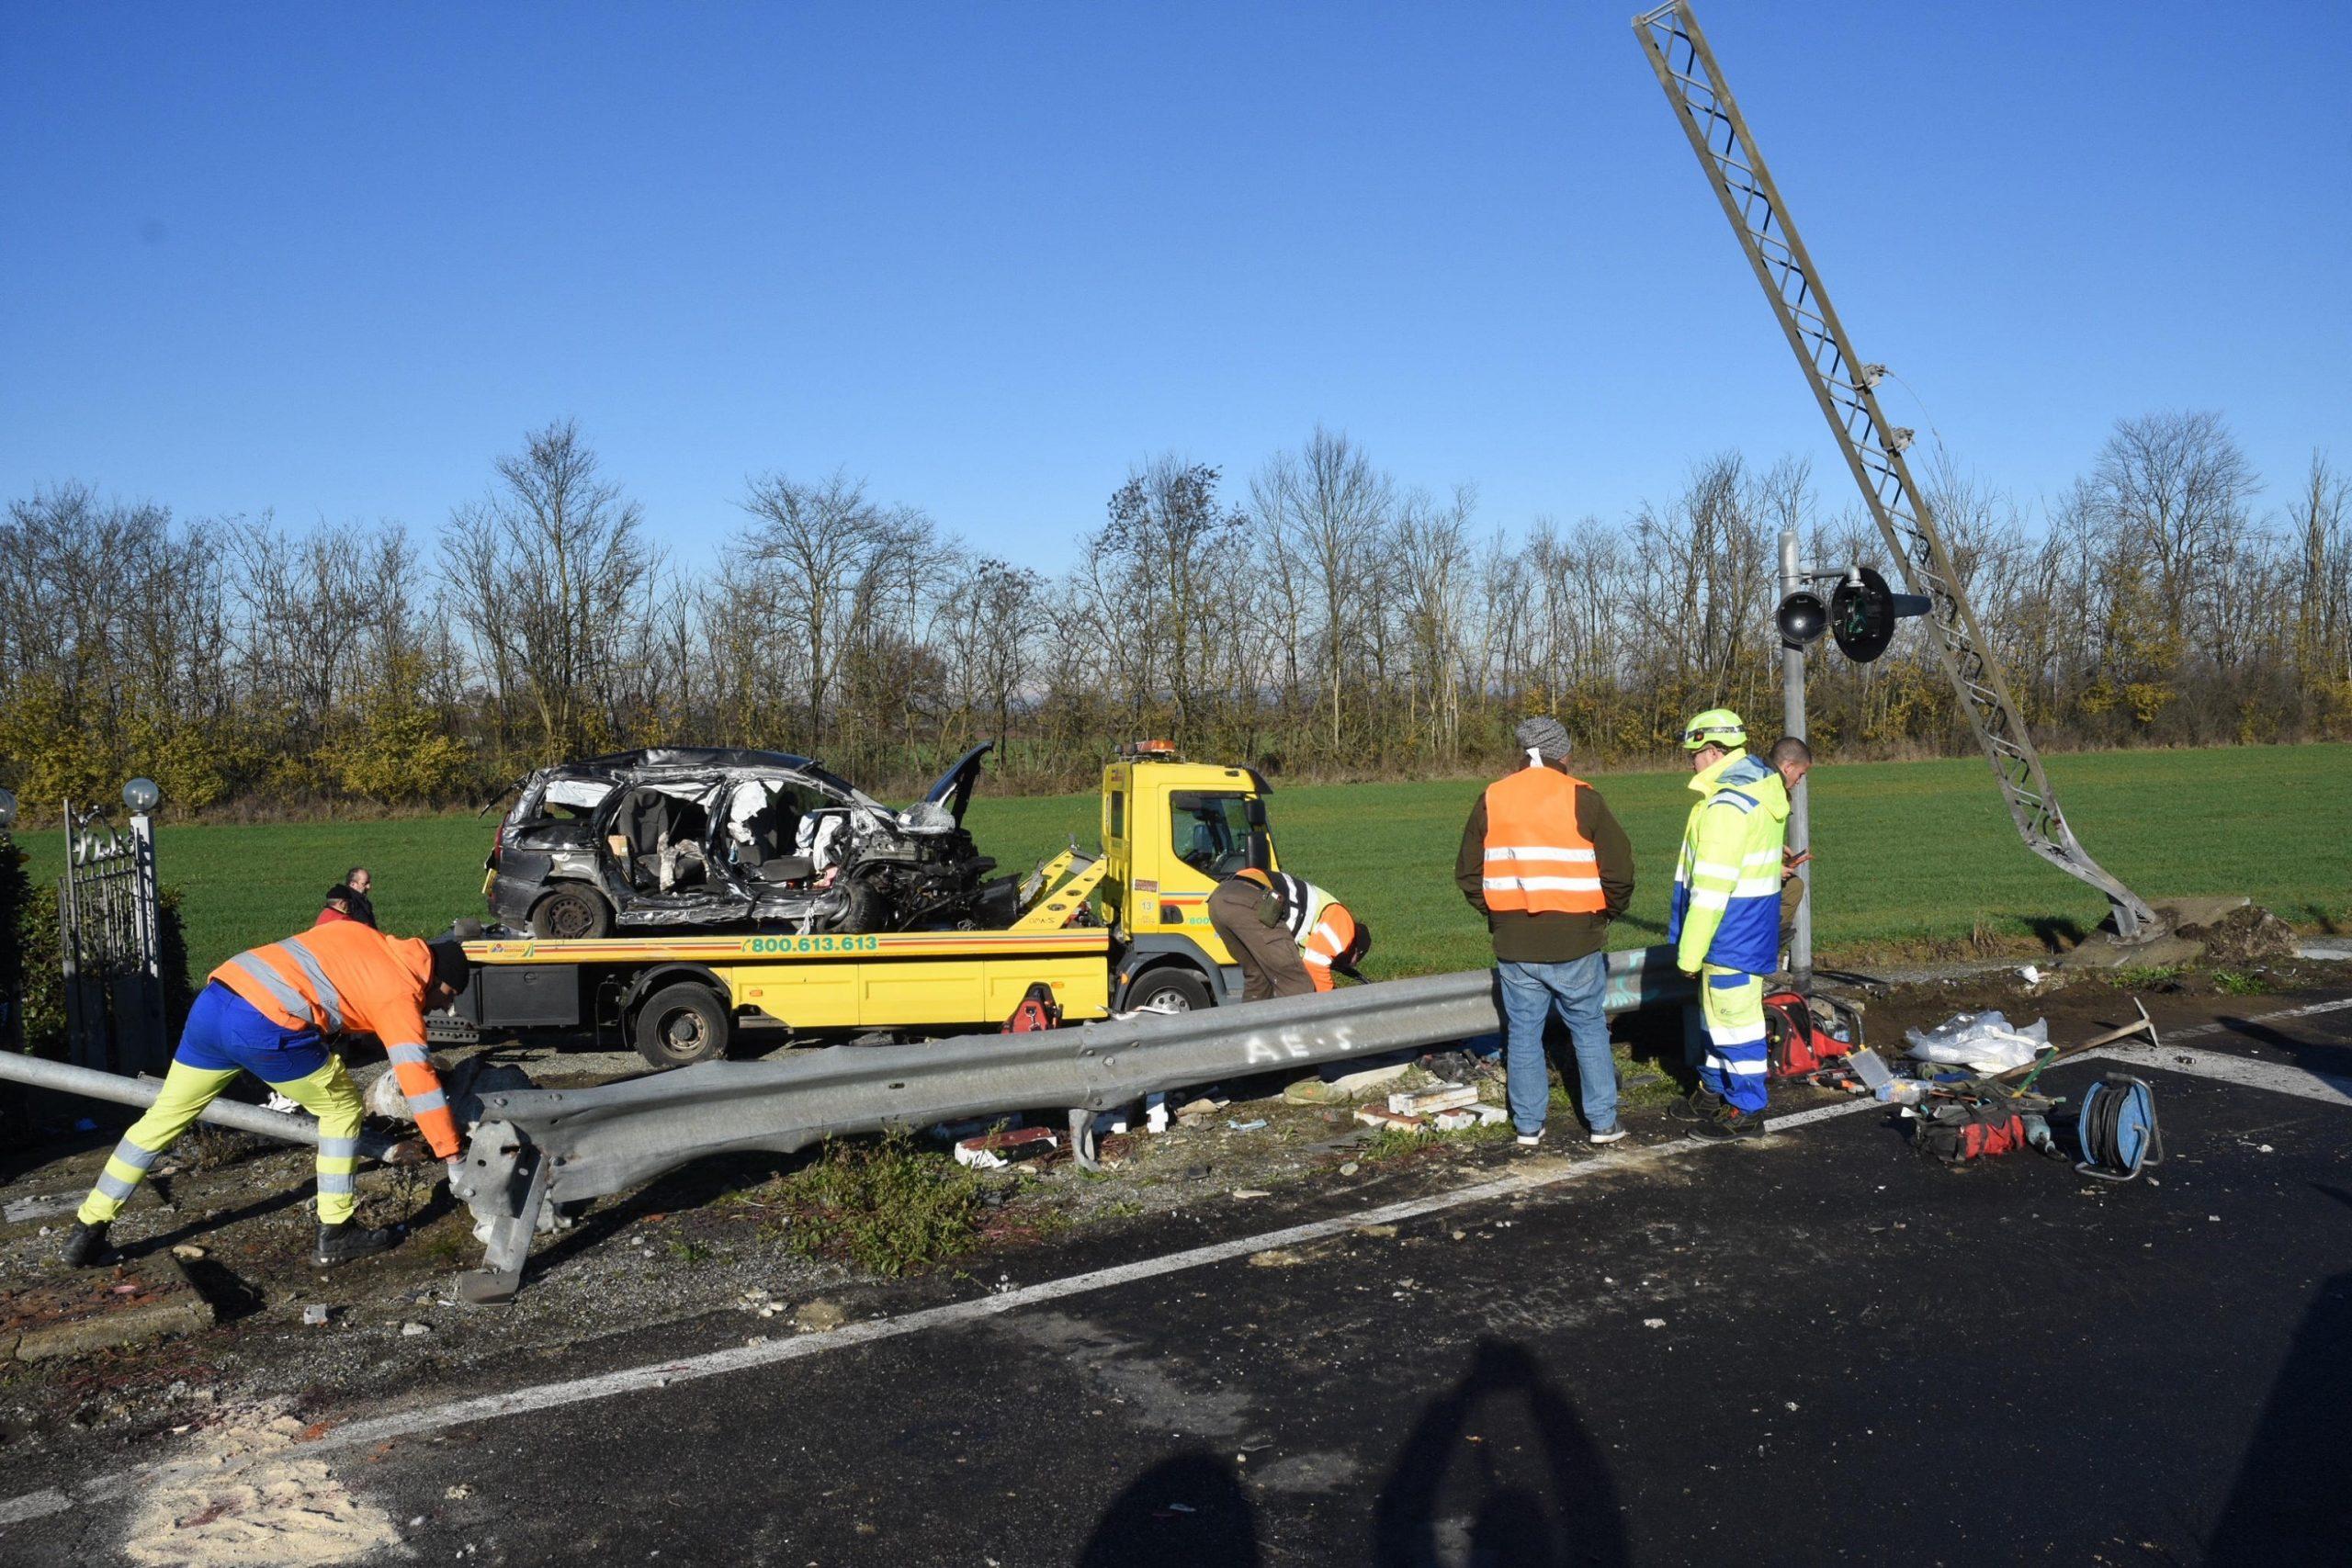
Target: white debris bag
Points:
(1980, 1042)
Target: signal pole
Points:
(1792, 579)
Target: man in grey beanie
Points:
(1545, 861)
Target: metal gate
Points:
(109, 937)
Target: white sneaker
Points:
(1530, 1140)
(1610, 1136)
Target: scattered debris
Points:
(1461, 1116)
(1346, 1088)
(819, 1316)
(188, 1252)
(414, 1330)
(315, 1314)
(1653, 1323)
(994, 1151)
(1250, 1193)
(1437, 1096)
(1381, 1116)
(1246, 1127)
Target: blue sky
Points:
(332, 259)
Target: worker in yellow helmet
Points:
(1724, 922)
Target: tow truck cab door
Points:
(1171, 831)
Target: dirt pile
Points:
(2246, 935)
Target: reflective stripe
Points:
(1709, 868)
(338, 1149)
(1723, 1036)
(1327, 934)
(1757, 888)
(407, 1055)
(1546, 884)
(1732, 797)
(330, 1000)
(115, 1187)
(1710, 898)
(1541, 852)
(1320, 960)
(1754, 1069)
(134, 1156)
(1763, 857)
(334, 1182)
(297, 1006)
(422, 1105)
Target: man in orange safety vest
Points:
(267, 1011)
(1545, 861)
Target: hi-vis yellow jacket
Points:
(1727, 882)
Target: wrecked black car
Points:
(718, 837)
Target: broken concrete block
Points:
(1437, 1096)
(149, 1299)
(1381, 1116)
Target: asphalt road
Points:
(1815, 1349)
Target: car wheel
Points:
(682, 1024)
(572, 914)
(1171, 989)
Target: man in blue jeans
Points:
(1545, 861)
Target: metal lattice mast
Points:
(1873, 448)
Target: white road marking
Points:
(2205, 1030)
(2245, 1071)
(2279, 1078)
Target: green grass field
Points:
(1910, 856)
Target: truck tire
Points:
(572, 913)
(1170, 988)
(682, 1024)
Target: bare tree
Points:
(548, 573)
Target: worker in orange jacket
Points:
(266, 1012)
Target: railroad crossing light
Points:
(1801, 618)
(1862, 613)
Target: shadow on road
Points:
(1185, 1512)
(2292, 1499)
(1567, 1512)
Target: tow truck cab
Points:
(1171, 831)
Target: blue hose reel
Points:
(2117, 1129)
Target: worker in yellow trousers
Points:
(265, 1012)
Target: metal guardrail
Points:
(537, 1145)
(92, 1084)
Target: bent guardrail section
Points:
(539, 1145)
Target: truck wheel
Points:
(1171, 989)
(572, 914)
(679, 1025)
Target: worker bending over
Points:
(1288, 935)
(1327, 935)
(1726, 921)
(1544, 858)
(265, 1012)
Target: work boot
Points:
(341, 1244)
(1728, 1124)
(1701, 1104)
(84, 1244)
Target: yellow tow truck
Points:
(1122, 929)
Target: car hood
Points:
(954, 787)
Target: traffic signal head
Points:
(1801, 618)
(1862, 613)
